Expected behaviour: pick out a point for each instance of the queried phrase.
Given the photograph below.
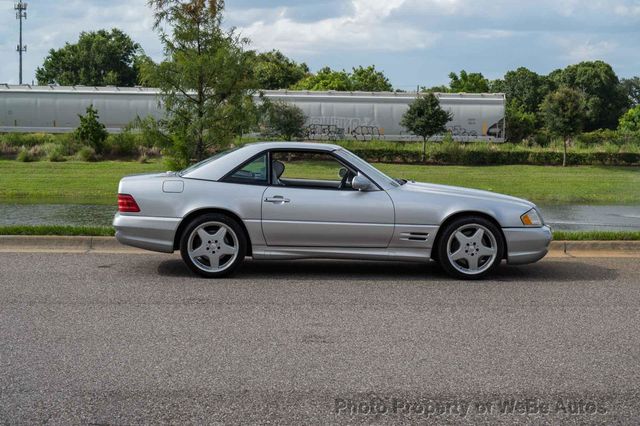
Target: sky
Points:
(415, 42)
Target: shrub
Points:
(69, 145)
(630, 121)
(91, 131)
(284, 120)
(26, 155)
(28, 140)
(87, 153)
(520, 124)
(54, 152)
(123, 144)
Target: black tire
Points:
(230, 223)
(467, 224)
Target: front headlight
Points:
(531, 218)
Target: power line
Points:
(21, 12)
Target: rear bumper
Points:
(527, 245)
(149, 233)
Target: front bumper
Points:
(145, 232)
(527, 245)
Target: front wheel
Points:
(213, 245)
(470, 248)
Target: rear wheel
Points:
(470, 248)
(213, 245)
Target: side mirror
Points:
(362, 183)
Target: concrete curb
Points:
(64, 244)
(80, 244)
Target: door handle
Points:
(277, 199)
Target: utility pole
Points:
(21, 12)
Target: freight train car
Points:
(330, 115)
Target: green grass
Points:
(94, 231)
(107, 231)
(596, 235)
(541, 184)
(71, 182)
(75, 182)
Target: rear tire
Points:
(470, 248)
(213, 245)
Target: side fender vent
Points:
(414, 236)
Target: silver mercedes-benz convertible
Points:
(294, 200)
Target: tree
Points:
(435, 89)
(325, 79)
(631, 87)
(564, 115)
(206, 79)
(526, 88)
(91, 131)
(284, 120)
(630, 121)
(369, 80)
(468, 82)
(146, 71)
(366, 79)
(100, 58)
(520, 123)
(426, 118)
(273, 71)
(605, 100)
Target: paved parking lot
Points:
(135, 338)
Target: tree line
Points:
(208, 77)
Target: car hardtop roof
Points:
(293, 145)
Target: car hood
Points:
(456, 191)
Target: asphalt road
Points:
(130, 339)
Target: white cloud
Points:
(365, 29)
(579, 48)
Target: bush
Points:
(606, 136)
(284, 120)
(520, 124)
(54, 152)
(27, 155)
(28, 140)
(630, 121)
(87, 154)
(91, 131)
(123, 144)
(69, 145)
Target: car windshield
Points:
(368, 169)
(205, 161)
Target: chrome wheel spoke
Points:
(200, 251)
(204, 235)
(472, 261)
(227, 249)
(214, 261)
(459, 254)
(477, 236)
(461, 237)
(486, 251)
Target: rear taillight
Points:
(127, 204)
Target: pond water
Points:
(560, 217)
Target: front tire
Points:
(213, 245)
(470, 248)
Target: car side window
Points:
(308, 169)
(254, 172)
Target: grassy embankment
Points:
(75, 182)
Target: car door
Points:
(306, 207)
